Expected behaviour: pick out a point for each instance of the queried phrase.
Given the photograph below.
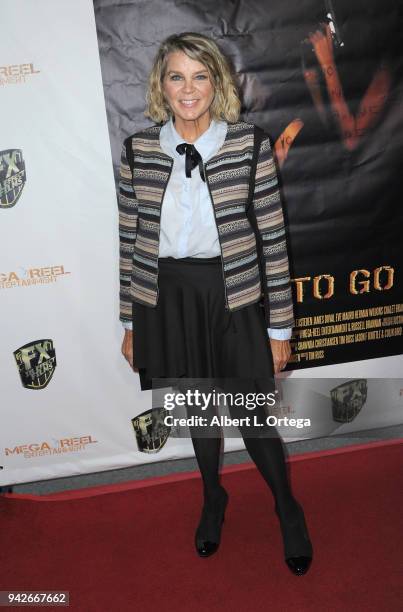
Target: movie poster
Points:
(324, 78)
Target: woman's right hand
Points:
(127, 348)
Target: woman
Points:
(190, 286)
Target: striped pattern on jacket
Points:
(141, 194)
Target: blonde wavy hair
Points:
(226, 104)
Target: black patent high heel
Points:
(298, 549)
(208, 533)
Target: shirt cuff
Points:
(127, 324)
(279, 334)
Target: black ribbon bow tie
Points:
(193, 158)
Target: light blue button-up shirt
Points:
(187, 225)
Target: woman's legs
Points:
(207, 444)
(268, 455)
(207, 452)
(263, 444)
(265, 448)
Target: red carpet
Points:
(130, 547)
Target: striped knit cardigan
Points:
(141, 195)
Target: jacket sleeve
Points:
(279, 312)
(128, 215)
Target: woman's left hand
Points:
(281, 351)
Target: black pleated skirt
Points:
(191, 334)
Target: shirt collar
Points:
(207, 144)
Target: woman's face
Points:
(187, 87)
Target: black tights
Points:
(266, 452)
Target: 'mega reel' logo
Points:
(12, 177)
(36, 363)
